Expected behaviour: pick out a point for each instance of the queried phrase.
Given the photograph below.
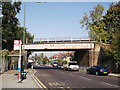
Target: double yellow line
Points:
(39, 80)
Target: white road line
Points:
(71, 74)
(85, 78)
(109, 84)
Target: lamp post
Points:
(22, 49)
(24, 31)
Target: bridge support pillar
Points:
(94, 55)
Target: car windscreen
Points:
(98, 67)
(55, 63)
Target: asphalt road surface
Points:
(53, 77)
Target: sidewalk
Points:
(112, 74)
(9, 80)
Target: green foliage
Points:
(64, 62)
(4, 54)
(20, 34)
(11, 29)
(105, 28)
(9, 23)
(45, 60)
(93, 22)
(59, 60)
(112, 20)
(40, 57)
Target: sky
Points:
(56, 19)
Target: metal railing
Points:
(61, 39)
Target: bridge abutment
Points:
(88, 57)
(82, 57)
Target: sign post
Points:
(17, 46)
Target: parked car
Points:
(97, 70)
(29, 65)
(59, 66)
(40, 63)
(55, 63)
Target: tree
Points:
(93, 22)
(105, 28)
(20, 34)
(45, 60)
(112, 20)
(40, 57)
(9, 23)
(11, 29)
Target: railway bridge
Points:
(86, 51)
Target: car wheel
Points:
(68, 69)
(87, 72)
(65, 68)
(96, 73)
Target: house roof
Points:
(15, 53)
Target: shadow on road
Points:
(42, 67)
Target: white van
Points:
(71, 65)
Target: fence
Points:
(3, 66)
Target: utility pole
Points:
(19, 62)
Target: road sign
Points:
(17, 44)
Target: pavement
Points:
(10, 80)
(113, 74)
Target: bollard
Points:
(18, 75)
(23, 75)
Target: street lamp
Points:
(25, 20)
(24, 31)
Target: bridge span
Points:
(58, 46)
(86, 51)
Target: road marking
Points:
(70, 88)
(85, 78)
(44, 75)
(39, 80)
(54, 84)
(36, 81)
(109, 84)
(57, 84)
(61, 88)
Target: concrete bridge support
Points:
(96, 54)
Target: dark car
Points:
(97, 70)
(29, 65)
(59, 66)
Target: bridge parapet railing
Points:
(61, 39)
